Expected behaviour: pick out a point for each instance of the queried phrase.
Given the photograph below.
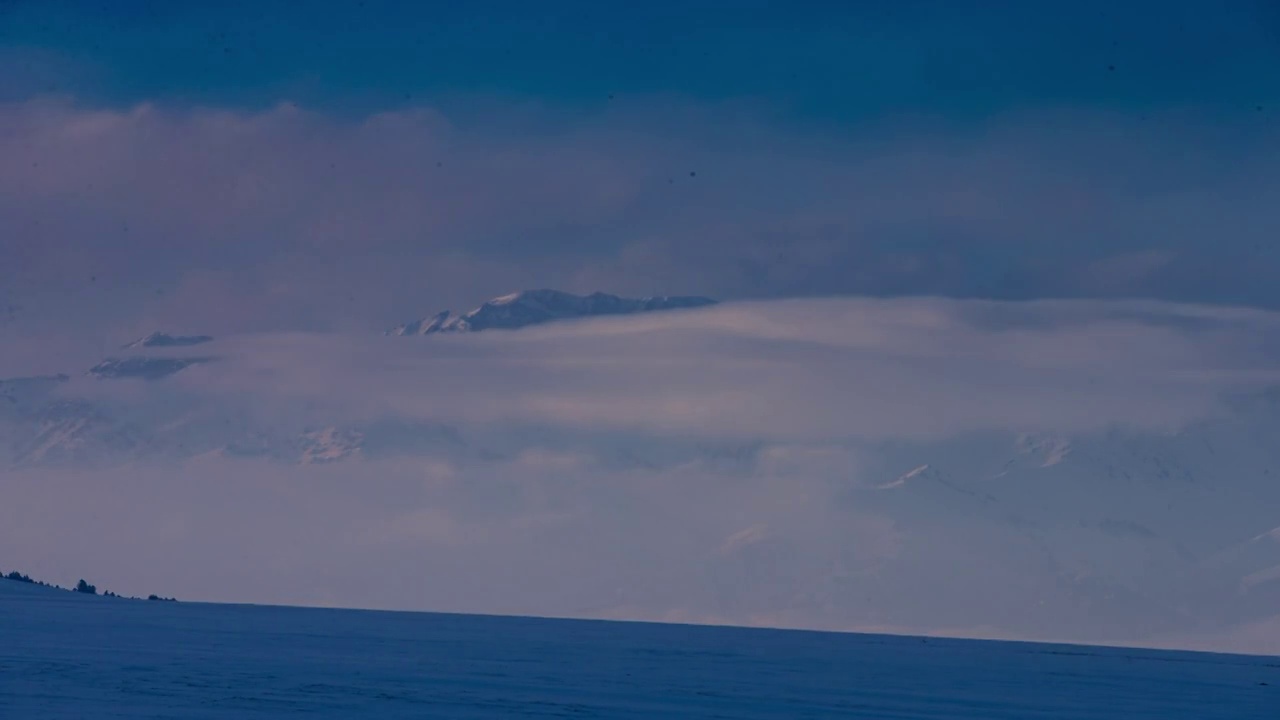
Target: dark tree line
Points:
(82, 587)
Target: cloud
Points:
(729, 464)
(828, 370)
(212, 220)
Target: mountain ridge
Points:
(164, 339)
(536, 307)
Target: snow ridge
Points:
(534, 307)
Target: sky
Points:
(941, 228)
(244, 166)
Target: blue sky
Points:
(171, 157)
(806, 60)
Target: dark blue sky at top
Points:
(996, 149)
(825, 61)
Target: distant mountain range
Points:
(509, 312)
(1108, 534)
(159, 339)
(39, 424)
(535, 307)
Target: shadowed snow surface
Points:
(68, 655)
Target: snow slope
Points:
(68, 655)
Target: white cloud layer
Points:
(786, 370)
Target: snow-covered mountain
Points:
(44, 423)
(534, 307)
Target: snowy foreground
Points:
(67, 655)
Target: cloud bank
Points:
(819, 463)
(784, 370)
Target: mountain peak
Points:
(534, 307)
